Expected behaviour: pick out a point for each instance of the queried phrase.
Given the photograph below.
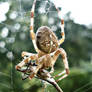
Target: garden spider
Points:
(46, 45)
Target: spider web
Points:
(44, 9)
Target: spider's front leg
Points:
(26, 60)
(32, 34)
(62, 26)
(62, 32)
(26, 54)
(64, 56)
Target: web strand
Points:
(77, 90)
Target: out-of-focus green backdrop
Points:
(14, 38)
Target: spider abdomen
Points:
(46, 40)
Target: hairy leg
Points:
(62, 26)
(64, 57)
(32, 34)
(26, 60)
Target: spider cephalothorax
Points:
(46, 40)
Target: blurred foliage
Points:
(78, 45)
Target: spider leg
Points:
(62, 27)
(62, 33)
(32, 34)
(63, 54)
(26, 60)
(26, 54)
(62, 73)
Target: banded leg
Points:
(62, 32)
(26, 60)
(26, 54)
(62, 27)
(64, 57)
(32, 34)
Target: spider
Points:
(46, 45)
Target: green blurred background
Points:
(14, 38)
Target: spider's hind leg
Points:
(65, 61)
